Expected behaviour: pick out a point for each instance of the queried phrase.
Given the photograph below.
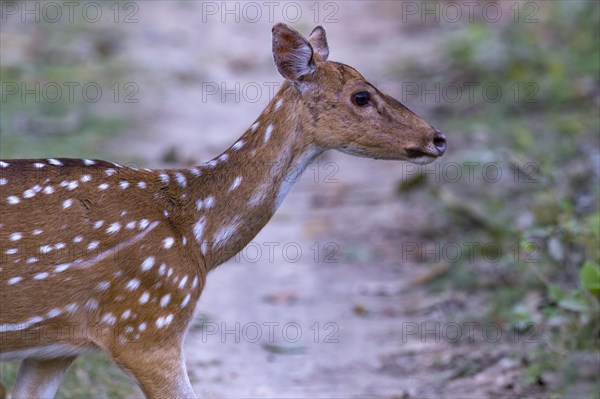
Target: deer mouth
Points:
(413, 152)
(418, 156)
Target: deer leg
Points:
(39, 378)
(161, 373)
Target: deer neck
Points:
(236, 194)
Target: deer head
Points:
(347, 112)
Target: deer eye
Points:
(361, 98)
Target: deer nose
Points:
(439, 141)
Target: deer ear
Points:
(292, 53)
(318, 41)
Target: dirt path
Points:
(297, 324)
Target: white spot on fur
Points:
(109, 172)
(199, 228)
(164, 321)
(103, 186)
(91, 304)
(40, 276)
(48, 190)
(195, 171)
(142, 326)
(144, 298)
(67, 203)
(14, 280)
(113, 228)
(4, 164)
(3, 181)
(123, 184)
(164, 301)
(185, 301)
(98, 224)
(268, 132)
(88, 162)
(126, 314)
(181, 179)
(54, 162)
(168, 242)
(13, 200)
(133, 284)
(85, 178)
(278, 104)
(209, 202)
(77, 239)
(103, 285)
(164, 178)
(54, 313)
(71, 308)
(236, 183)
(254, 126)
(62, 267)
(183, 282)
(15, 236)
(238, 145)
(44, 249)
(147, 263)
(109, 318)
(141, 184)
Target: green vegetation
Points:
(91, 376)
(538, 224)
(62, 91)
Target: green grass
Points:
(91, 376)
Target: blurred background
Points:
(475, 276)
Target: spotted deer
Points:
(96, 256)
